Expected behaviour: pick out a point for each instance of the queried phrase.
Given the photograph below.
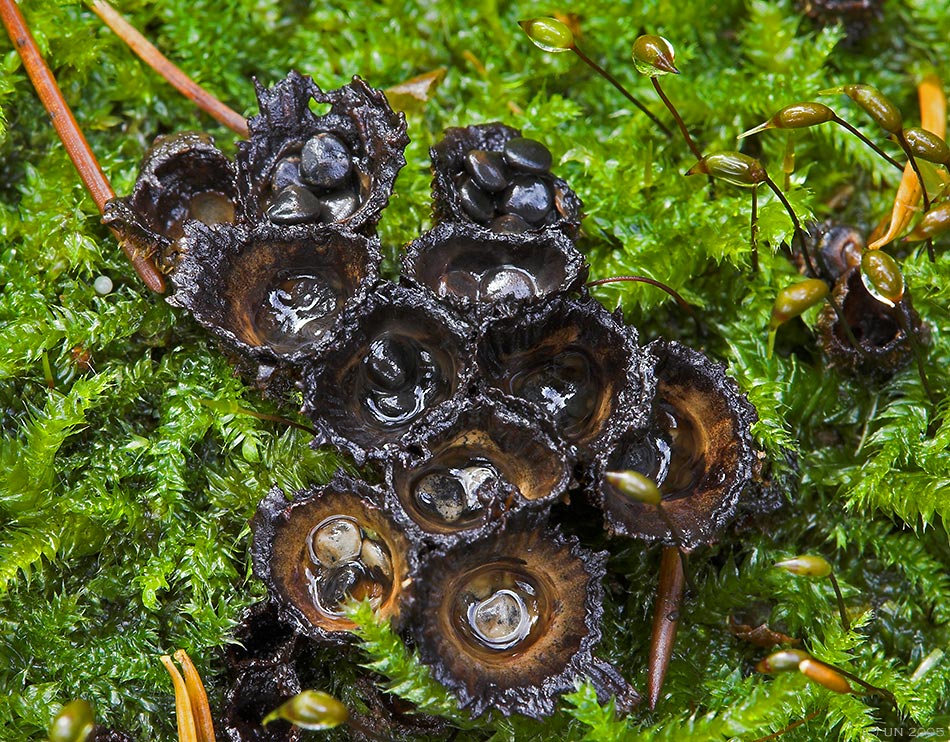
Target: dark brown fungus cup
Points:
(255, 693)
(327, 546)
(390, 363)
(577, 364)
(478, 462)
(474, 269)
(509, 622)
(698, 450)
(183, 178)
(489, 175)
(273, 293)
(299, 167)
(880, 330)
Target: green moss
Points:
(124, 498)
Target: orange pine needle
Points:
(186, 719)
(200, 708)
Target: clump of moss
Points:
(124, 498)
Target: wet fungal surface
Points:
(491, 176)
(273, 293)
(396, 359)
(575, 363)
(471, 269)
(508, 621)
(880, 330)
(327, 547)
(335, 168)
(483, 459)
(698, 450)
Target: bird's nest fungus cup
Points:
(510, 621)
(336, 168)
(698, 450)
(183, 178)
(476, 270)
(576, 364)
(490, 176)
(881, 330)
(393, 361)
(476, 463)
(328, 546)
(273, 293)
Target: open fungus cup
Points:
(459, 194)
(390, 364)
(477, 270)
(509, 622)
(339, 167)
(576, 364)
(329, 545)
(273, 293)
(183, 178)
(476, 463)
(698, 450)
(881, 330)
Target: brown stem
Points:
(69, 132)
(669, 597)
(679, 121)
(626, 93)
(845, 622)
(754, 229)
(653, 282)
(845, 125)
(790, 727)
(147, 52)
(798, 232)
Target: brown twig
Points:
(617, 84)
(147, 52)
(69, 132)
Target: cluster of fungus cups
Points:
(487, 386)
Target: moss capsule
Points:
(73, 723)
(795, 116)
(927, 146)
(311, 709)
(782, 661)
(732, 167)
(635, 485)
(653, 56)
(795, 299)
(549, 34)
(824, 675)
(934, 222)
(876, 105)
(806, 565)
(882, 277)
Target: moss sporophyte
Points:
(490, 463)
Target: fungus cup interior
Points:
(399, 358)
(357, 117)
(278, 290)
(698, 451)
(476, 466)
(465, 266)
(508, 622)
(184, 177)
(571, 360)
(330, 548)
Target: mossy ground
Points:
(124, 498)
